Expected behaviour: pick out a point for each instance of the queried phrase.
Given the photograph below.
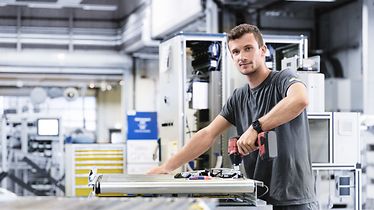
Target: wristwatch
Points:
(257, 126)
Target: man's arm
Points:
(286, 110)
(197, 145)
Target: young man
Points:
(272, 100)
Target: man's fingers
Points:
(243, 148)
(157, 170)
(241, 151)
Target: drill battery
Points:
(267, 145)
(266, 142)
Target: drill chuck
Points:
(233, 151)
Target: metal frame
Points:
(325, 116)
(332, 164)
(301, 40)
(358, 179)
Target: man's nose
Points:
(241, 56)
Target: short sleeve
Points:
(286, 78)
(228, 109)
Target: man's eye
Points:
(248, 48)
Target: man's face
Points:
(246, 53)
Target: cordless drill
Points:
(235, 156)
(266, 143)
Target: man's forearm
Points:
(198, 144)
(286, 110)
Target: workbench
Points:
(104, 203)
(239, 193)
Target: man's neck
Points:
(258, 77)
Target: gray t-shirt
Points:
(289, 176)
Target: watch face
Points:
(257, 126)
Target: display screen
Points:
(48, 127)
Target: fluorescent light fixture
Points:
(44, 6)
(313, 0)
(90, 7)
(99, 7)
(61, 56)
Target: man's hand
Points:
(247, 141)
(158, 170)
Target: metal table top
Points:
(138, 203)
(166, 184)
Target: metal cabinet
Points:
(192, 70)
(336, 162)
(80, 159)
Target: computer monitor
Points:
(48, 127)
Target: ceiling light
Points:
(45, 6)
(61, 56)
(19, 83)
(313, 0)
(91, 7)
(103, 86)
(100, 7)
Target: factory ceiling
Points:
(116, 10)
(62, 9)
(93, 24)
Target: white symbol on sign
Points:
(142, 124)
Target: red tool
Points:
(235, 156)
(266, 142)
(267, 145)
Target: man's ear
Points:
(264, 48)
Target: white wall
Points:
(368, 56)
(109, 113)
(146, 85)
(340, 30)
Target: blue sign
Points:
(142, 125)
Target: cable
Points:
(329, 202)
(267, 190)
(188, 128)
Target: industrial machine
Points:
(310, 74)
(192, 72)
(32, 154)
(336, 159)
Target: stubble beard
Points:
(249, 71)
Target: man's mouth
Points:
(243, 64)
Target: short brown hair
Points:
(240, 30)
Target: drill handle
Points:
(232, 146)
